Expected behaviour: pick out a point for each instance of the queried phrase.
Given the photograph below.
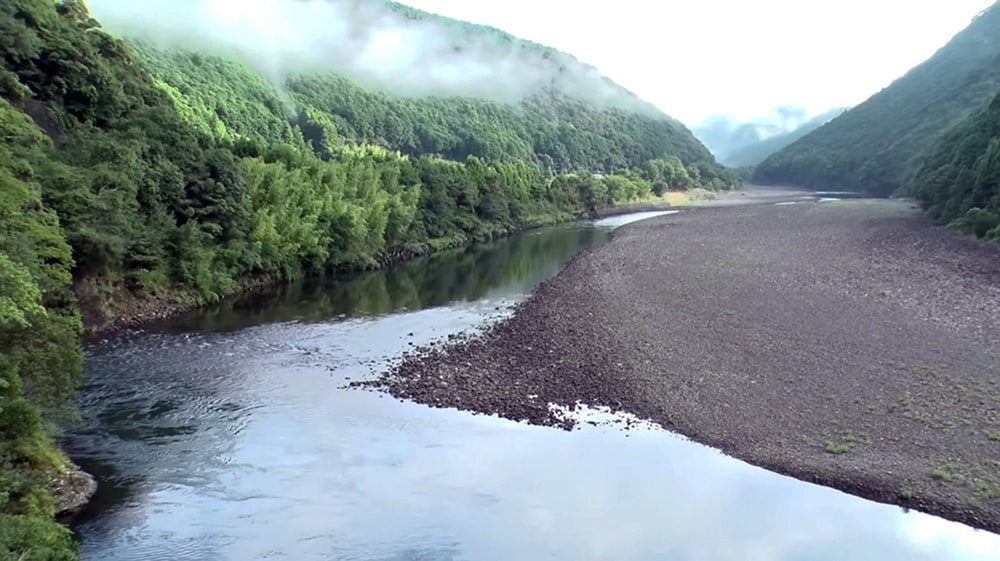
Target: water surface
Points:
(228, 435)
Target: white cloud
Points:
(690, 58)
(362, 39)
(694, 58)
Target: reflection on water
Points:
(229, 437)
(505, 268)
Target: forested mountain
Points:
(959, 182)
(132, 173)
(559, 132)
(433, 85)
(756, 152)
(876, 145)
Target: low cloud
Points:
(368, 41)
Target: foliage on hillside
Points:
(876, 145)
(959, 183)
(559, 133)
(184, 175)
(39, 352)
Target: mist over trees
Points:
(379, 43)
(208, 150)
(143, 172)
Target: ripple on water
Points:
(242, 444)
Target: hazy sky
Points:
(694, 58)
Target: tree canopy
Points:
(959, 182)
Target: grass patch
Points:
(905, 494)
(860, 438)
(690, 197)
(677, 198)
(846, 443)
(700, 194)
(943, 473)
(982, 484)
(928, 377)
(993, 435)
(986, 490)
(834, 448)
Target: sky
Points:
(696, 58)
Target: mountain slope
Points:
(558, 132)
(755, 153)
(959, 182)
(874, 146)
(422, 84)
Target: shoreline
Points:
(847, 344)
(73, 491)
(132, 311)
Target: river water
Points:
(229, 435)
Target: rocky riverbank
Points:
(71, 491)
(848, 343)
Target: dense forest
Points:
(959, 182)
(130, 172)
(878, 144)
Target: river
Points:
(229, 435)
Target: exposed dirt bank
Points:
(848, 343)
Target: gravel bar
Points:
(847, 343)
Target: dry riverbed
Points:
(849, 343)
